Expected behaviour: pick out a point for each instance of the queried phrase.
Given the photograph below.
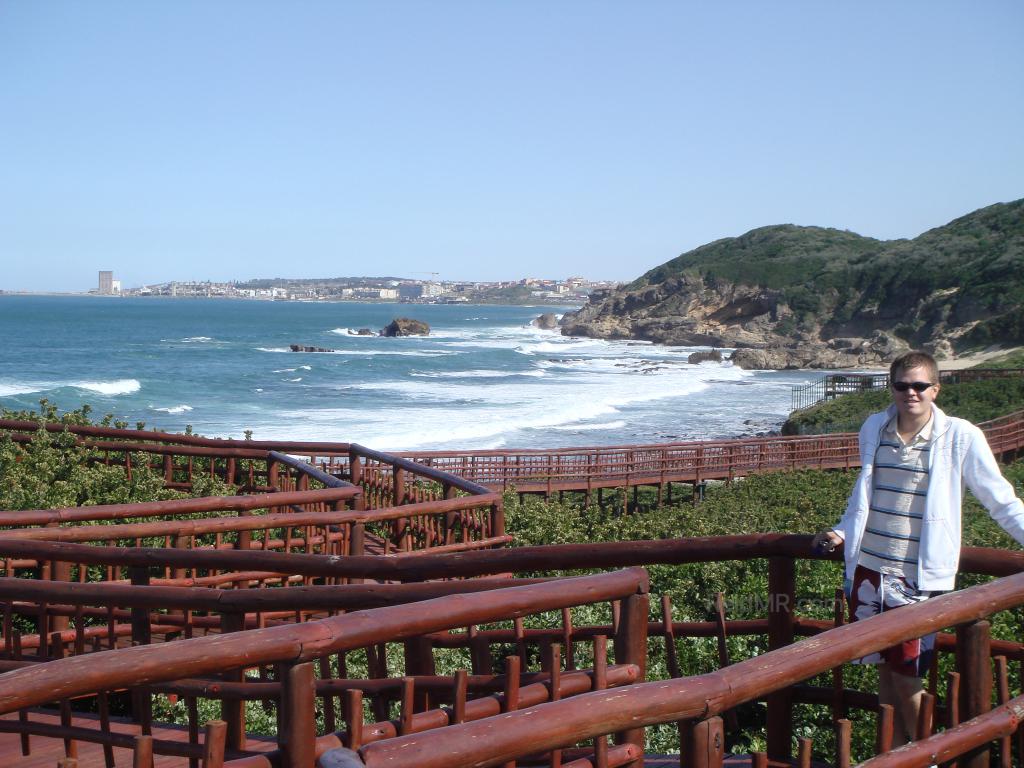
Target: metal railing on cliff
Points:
(837, 384)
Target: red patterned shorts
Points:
(871, 594)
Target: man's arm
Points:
(981, 474)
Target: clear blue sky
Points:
(231, 139)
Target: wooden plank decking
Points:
(46, 752)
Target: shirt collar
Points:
(923, 435)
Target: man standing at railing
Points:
(901, 528)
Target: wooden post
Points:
(781, 599)
(233, 710)
(705, 745)
(973, 658)
(298, 704)
(630, 645)
(213, 744)
(59, 571)
(844, 729)
(497, 519)
(141, 702)
(142, 752)
(398, 481)
(419, 660)
(355, 468)
(140, 616)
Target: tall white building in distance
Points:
(106, 287)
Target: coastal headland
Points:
(793, 297)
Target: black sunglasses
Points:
(917, 386)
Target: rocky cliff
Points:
(795, 297)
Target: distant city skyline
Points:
(370, 288)
(483, 142)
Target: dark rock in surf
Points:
(406, 326)
(301, 348)
(713, 356)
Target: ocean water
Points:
(483, 378)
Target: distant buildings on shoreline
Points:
(108, 286)
(387, 289)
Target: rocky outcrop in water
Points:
(714, 356)
(548, 321)
(405, 326)
(301, 348)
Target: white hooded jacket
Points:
(960, 456)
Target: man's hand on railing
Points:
(826, 542)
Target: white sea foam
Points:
(397, 352)
(175, 409)
(440, 411)
(589, 427)
(469, 384)
(347, 332)
(110, 388)
(10, 389)
(507, 337)
(194, 340)
(371, 352)
(481, 374)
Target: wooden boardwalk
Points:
(47, 752)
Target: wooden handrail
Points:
(494, 741)
(174, 507)
(146, 664)
(574, 468)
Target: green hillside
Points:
(969, 272)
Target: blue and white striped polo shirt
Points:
(900, 485)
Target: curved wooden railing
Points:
(546, 471)
(589, 469)
(264, 630)
(434, 506)
(393, 505)
(702, 699)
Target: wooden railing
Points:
(701, 702)
(299, 662)
(434, 475)
(394, 505)
(590, 469)
(285, 654)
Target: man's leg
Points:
(904, 693)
